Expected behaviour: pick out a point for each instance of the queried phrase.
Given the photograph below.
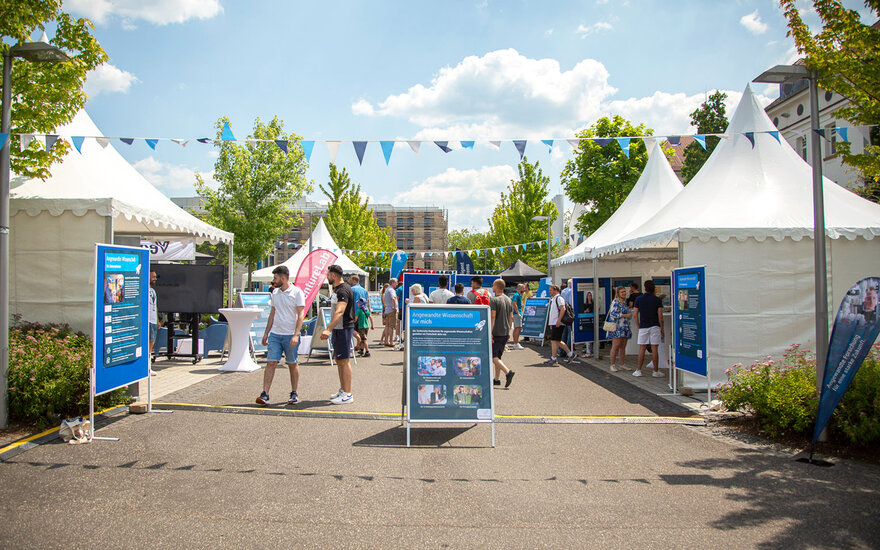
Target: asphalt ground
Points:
(199, 478)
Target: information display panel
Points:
(689, 319)
(588, 306)
(375, 302)
(663, 287)
(535, 312)
(263, 302)
(449, 364)
(427, 280)
(120, 340)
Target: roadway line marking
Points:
(28, 439)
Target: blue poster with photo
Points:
(587, 306)
(689, 319)
(449, 364)
(121, 335)
(534, 318)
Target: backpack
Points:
(567, 313)
(482, 297)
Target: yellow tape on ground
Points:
(28, 439)
(245, 407)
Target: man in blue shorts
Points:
(282, 332)
(341, 330)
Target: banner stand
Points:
(92, 435)
(689, 327)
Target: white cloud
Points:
(548, 32)
(159, 12)
(594, 28)
(108, 78)
(752, 22)
(468, 195)
(172, 179)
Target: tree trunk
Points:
(250, 269)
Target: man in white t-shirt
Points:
(442, 294)
(282, 332)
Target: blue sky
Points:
(480, 70)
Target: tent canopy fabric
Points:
(99, 179)
(656, 186)
(747, 191)
(521, 272)
(322, 239)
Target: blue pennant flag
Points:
(520, 145)
(359, 148)
(549, 144)
(204, 140)
(77, 142)
(602, 142)
(226, 134)
(467, 145)
(127, 141)
(3, 137)
(821, 132)
(842, 133)
(307, 149)
(701, 139)
(152, 143)
(675, 141)
(398, 262)
(624, 145)
(775, 134)
(443, 145)
(282, 144)
(751, 137)
(387, 147)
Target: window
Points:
(380, 222)
(802, 147)
(830, 140)
(401, 243)
(800, 109)
(428, 244)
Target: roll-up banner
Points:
(448, 365)
(375, 302)
(535, 315)
(689, 320)
(263, 302)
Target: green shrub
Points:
(857, 417)
(49, 374)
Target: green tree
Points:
(258, 185)
(846, 56)
(351, 222)
(600, 177)
(709, 118)
(511, 221)
(466, 239)
(45, 95)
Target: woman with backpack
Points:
(557, 328)
(619, 314)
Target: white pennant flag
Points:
(575, 143)
(103, 141)
(496, 144)
(26, 140)
(181, 142)
(333, 148)
(252, 142)
(414, 145)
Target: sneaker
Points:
(343, 399)
(508, 378)
(263, 399)
(570, 358)
(657, 374)
(366, 354)
(496, 382)
(615, 368)
(637, 373)
(518, 346)
(153, 373)
(551, 362)
(338, 393)
(294, 398)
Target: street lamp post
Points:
(782, 74)
(32, 51)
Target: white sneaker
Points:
(518, 346)
(614, 368)
(338, 393)
(343, 399)
(153, 373)
(637, 373)
(657, 374)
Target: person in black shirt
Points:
(341, 331)
(648, 318)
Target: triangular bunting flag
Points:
(751, 137)
(103, 141)
(775, 134)
(51, 139)
(252, 142)
(624, 145)
(675, 141)
(467, 145)
(152, 143)
(77, 143)
(282, 144)
(414, 145)
(387, 147)
(3, 137)
(226, 134)
(204, 140)
(821, 132)
(602, 142)
(574, 143)
(701, 139)
(842, 133)
(26, 140)
(333, 149)
(549, 144)
(181, 142)
(443, 145)
(307, 149)
(496, 144)
(520, 145)
(359, 148)
(127, 141)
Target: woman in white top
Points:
(416, 296)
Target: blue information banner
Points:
(535, 312)
(689, 319)
(263, 302)
(588, 305)
(121, 338)
(449, 364)
(543, 288)
(427, 280)
(375, 302)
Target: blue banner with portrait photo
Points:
(689, 319)
(855, 329)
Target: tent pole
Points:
(596, 355)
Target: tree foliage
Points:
(258, 185)
(709, 118)
(511, 221)
(846, 56)
(351, 222)
(601, 177)
(45, 95)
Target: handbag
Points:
(610, 326)
(75, 430)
